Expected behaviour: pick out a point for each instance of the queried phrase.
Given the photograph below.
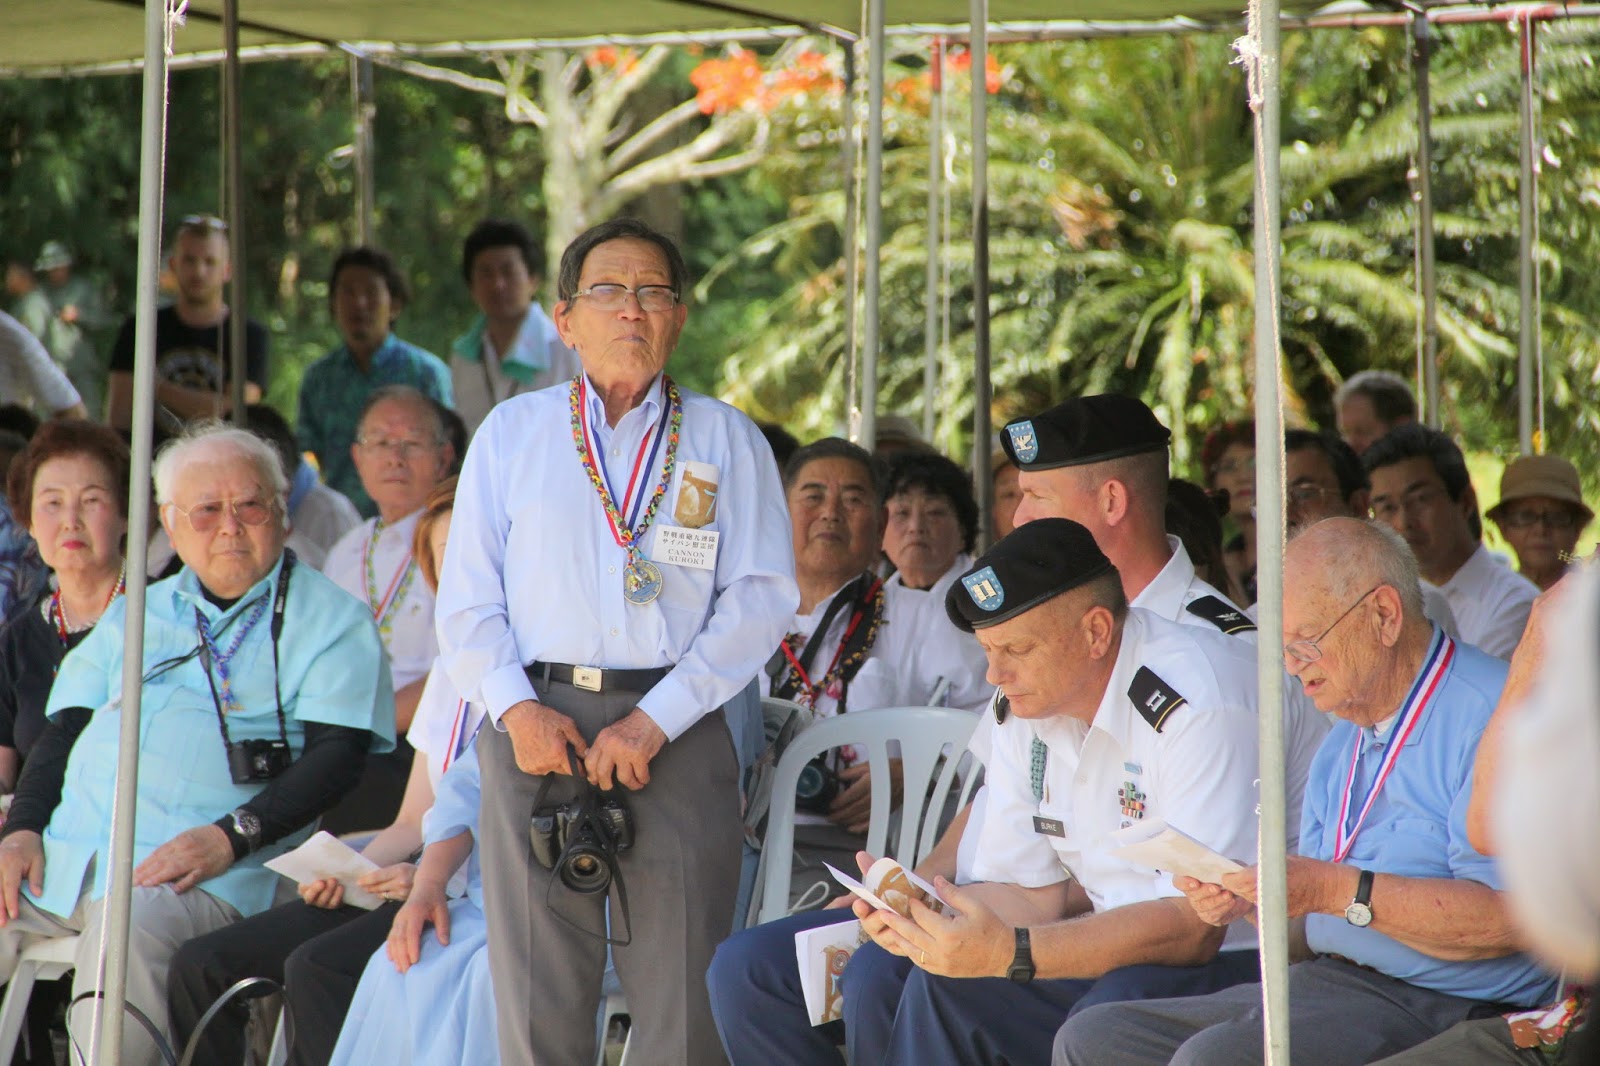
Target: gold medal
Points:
(641, 581)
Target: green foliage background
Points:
(1120, 193)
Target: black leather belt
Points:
(594, 679)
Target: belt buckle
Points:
(586, 678)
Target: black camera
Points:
(580, 840)
(254, 761)
(817, 788)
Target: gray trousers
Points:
(682, 875)
(1482, 1042)
(162, 921)
(1341, 1015)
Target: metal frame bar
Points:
(871, 339)
(1527, 268)
(1273, 911)
(935, 238)
(982, 386)
(233, 168)
(106, 1046)
(1427, 274)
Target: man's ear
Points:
(1098, 626)
(1391, 614)
(1112, 500)
(1360, 503)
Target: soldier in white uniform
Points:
(1109, 715)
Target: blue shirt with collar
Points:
(1417, 828)
(331, 669)
(333, 391)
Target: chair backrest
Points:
(922, 734)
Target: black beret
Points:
(1037, 561)
(1086, 429)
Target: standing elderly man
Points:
(1405, 919)
(618, 568)
(1107, 715)
(401, 454)
(264, 688)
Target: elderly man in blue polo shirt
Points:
(264, 688)
(1407, 927)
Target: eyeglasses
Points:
(202, 223)
(1389, 509)
(205, 517)
(1308, 651)
(1559, 521)
(1234, 466)
(610, 297)
(405, 449)
(1302, 494)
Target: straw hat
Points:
(1548, 476)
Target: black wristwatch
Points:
(1359, 913)
(1021, 969)
(243, 827)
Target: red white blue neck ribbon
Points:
(1422, 692)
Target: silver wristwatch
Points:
(248, 826)
(1359, 913)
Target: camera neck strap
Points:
(865, 595)
(588, 803)
(215, 661)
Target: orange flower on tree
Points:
(729, 83)
(810, 73)
(960, 62)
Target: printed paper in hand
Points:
(326, 856)
(893, 887)
(1162, 847)
(822, 954)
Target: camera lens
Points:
(585, 869)
(811, 782)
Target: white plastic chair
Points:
(43, 960)
(923, 734)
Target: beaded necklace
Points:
(383, 606)
(642, 578)
(58, 611)
(221, 658)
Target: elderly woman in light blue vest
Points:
(264, 688)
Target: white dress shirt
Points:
(532, 571)
(28, 375)
(1167, 596)
(917, 658)
(443, 726)
(1198, 773)
(480, 383)
(410, 639)
(324, 515)
(1491, 602)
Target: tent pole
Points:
(1421, 55)
(872, 282)
(1528, 188)
(982, 387)
(852, 254)
(233, 163)
(1274, 924)
(119, 889)
(930, 356)
(365, 108)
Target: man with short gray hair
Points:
(1405, 920)
(264, 687)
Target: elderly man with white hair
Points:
(264, 688)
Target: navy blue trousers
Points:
(898, 1015)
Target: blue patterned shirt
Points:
(333, 391)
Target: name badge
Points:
(1050, 827)
(687, 547)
